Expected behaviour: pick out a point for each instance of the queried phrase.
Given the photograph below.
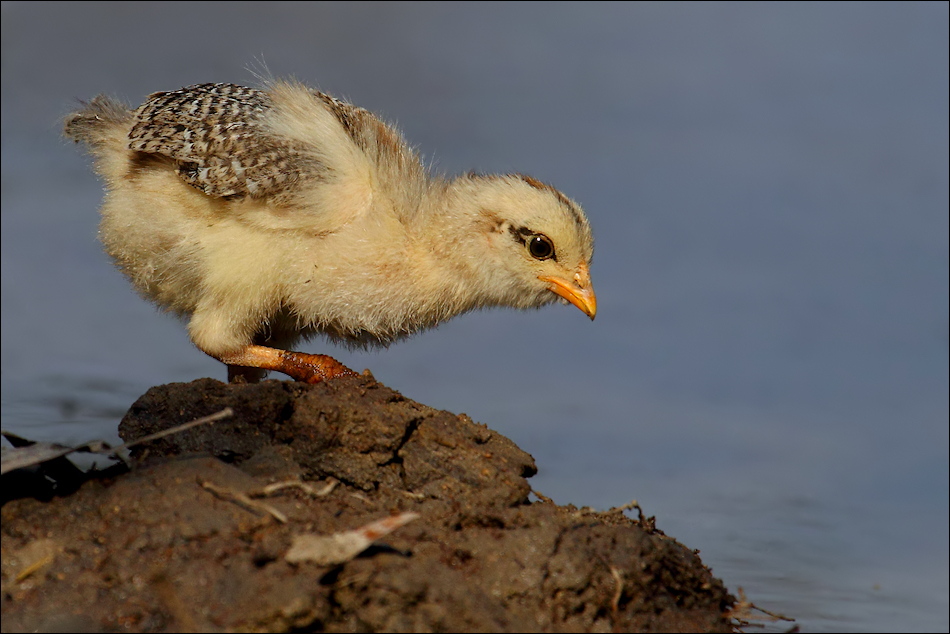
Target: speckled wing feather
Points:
(213, 133)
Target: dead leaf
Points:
(338, 548)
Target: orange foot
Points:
(309, 368)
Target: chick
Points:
(266, 216)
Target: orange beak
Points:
(577, 291)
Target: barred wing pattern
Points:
(213, 133)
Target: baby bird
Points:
(267, 216)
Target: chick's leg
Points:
(226, 332)
(309, 368)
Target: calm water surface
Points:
(768, 372)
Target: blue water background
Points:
(768, 188)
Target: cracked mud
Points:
(151, 549)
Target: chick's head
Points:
(539, 243)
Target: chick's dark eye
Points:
(540, 247)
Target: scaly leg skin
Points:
(309, 368)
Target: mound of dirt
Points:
(184, 540)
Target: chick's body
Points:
(264, 216)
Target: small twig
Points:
(48, 452)
(742, 612)
(648, 523)
(33, 567)
(629, 506)
(225, 413)
(242, 500)
(774, 615)
(271, 489)
(361, 497)
(332, 483)
(542, 497)
(615, 602)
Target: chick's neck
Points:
(453, 238)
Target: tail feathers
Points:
(97, 120)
